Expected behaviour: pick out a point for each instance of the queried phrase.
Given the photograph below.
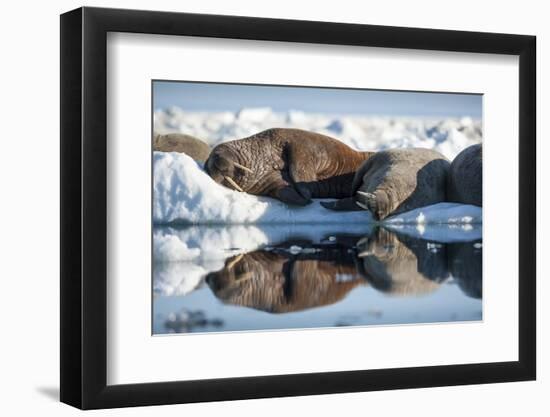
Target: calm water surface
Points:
(239, 278)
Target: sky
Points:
(193, 96)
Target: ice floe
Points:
(185, 194)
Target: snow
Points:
(367, 133)
(442, 213)
(185, 194)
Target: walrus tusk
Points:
(234, 184)
(369, 196)
(243, 167)
(232, 263)
(365, 253)
(361, 205)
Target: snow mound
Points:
(185, 194)
(442, 213)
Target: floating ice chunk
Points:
(294, 249)
(421, 219)
(345, 277)
(433, 247)
(310, 250)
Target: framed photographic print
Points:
(257, 207)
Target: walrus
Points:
(466, 177)
(395, 181)
(290, 165)
(178, 142)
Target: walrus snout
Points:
(235, 272)
(222, 166)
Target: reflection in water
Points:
(401, 265)
(279, 281)
(187, 321)
(465, 266)
(314, 280)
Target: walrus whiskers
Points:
(243, 167)
(232, 263)
(233, 183)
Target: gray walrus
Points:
(179, 142)
(466, 177)
(395, 181)
(291, 165)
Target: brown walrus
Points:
(279, 282)
(466, 177)
(291, 165)
(397, 180)
(178, 142)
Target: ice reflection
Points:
(320, 277)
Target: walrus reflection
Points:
(279, 282)
(400, 265)
(465, 265)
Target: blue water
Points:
(379, 278)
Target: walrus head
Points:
(223, 167)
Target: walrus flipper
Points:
(377, 203)
(290, 196)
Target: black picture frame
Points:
(84, 207)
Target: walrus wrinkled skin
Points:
(291, 165)
(278, 282)
(397, 180)
(399, 265)
(178, 142)
(466, 177)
